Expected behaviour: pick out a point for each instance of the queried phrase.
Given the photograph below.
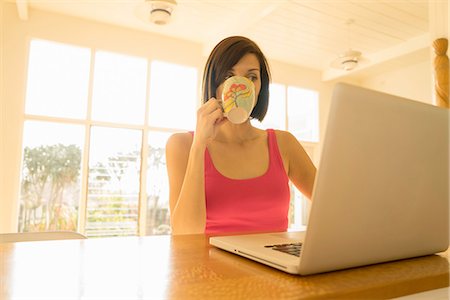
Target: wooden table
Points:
(186, 267)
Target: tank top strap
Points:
(274, 151)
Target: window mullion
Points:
(142, 219)
(85, 162)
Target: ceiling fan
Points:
(349, 59)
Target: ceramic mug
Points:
(238, 99)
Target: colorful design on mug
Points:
(238, 99)
(237, 96)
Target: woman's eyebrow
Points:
(249, 70)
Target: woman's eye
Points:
(252, 77)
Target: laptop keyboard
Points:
(293, 248)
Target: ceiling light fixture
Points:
(158, 12)
(348, 60)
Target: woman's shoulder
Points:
(181, 140)
(287, 142)
(284, 137)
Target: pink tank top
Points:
(248, 205)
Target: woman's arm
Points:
(300, 169)
(185, 167)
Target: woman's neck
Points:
(236, 133)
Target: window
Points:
(303, 113)
(51, 176)
(172, 95)
(157, 185)
(95, 162)
(119, 88)
(113, 189)
(296, 110)
(276, 112)
(58, 80)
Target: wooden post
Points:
(441, 70)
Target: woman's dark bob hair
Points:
(223, 57)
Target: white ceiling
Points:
(304, 32)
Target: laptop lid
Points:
(382, 188)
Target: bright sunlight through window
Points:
(82, 157)
(173, 95)
(119, 88)
(58, 80)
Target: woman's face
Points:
(247, 66)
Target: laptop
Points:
(381, 191)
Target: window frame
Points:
(88, 123)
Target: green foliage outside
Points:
(50, 177)
(50, 192)
(113, 196)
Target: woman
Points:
(229, 177)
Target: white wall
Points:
(413, 81)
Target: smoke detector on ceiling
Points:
(158, 12)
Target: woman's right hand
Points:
(209, 117)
